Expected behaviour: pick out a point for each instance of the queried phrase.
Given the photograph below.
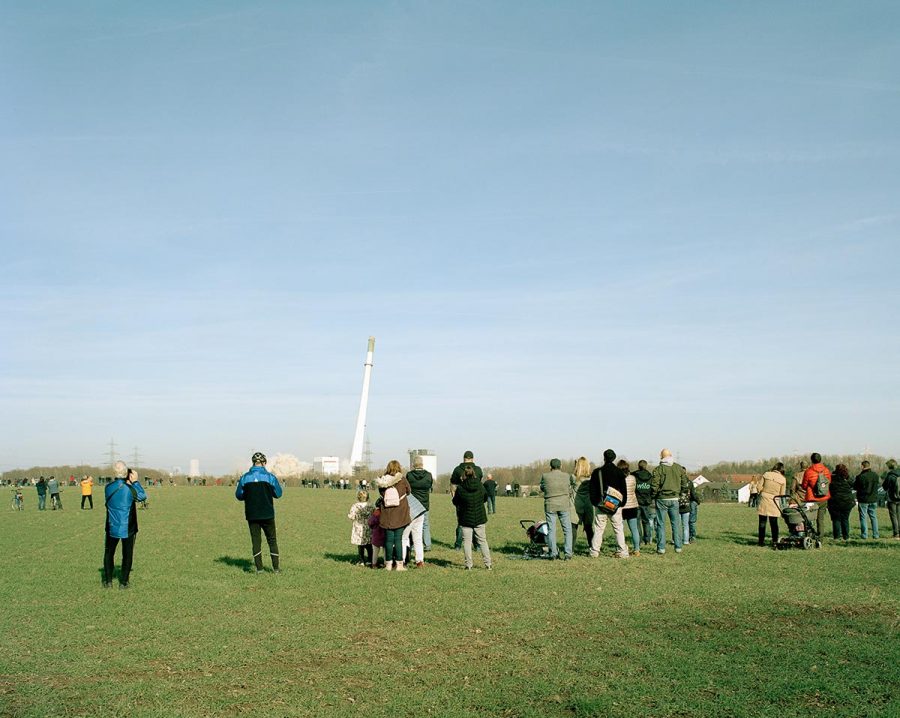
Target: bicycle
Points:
(18, 503)
(55, 503)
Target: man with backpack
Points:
(257, 488)
(891, 486)
(816, 485)
(467, 469)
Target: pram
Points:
(801, 530)
(537, 538)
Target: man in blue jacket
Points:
(121, 522)
(257, 489)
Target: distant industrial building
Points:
(327, 465)
(194, 471)
(429, 460)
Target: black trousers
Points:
(268, 528)
(773, 524)
(109, 555)
(90, 499)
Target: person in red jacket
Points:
(814, 496)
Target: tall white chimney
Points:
(356, 454)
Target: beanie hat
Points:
(258, 458)
(609, 455)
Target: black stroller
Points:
(537, 538)
(801, 530)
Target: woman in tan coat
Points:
(769, 485)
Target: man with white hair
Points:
(257, 488)
(669, 482)
(121, 521)
(421, 481)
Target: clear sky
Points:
(569, 225)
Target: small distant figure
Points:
(121, 522)
(87, 491)
(378, 534)
(490, 487)
(891, 486)
(41, 487)
(257, 489)
(866, 486)
(53, 490)
(557, 485)
(360, 533)
(508, 490)
(18, 501)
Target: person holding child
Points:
(360, 533)
(395, 517)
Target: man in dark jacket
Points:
(420, 482)
(646, 509)
(891, 486)
(866, 486)
(41, 487)
(606, 480)
(121, 522)
(490, 486)
(472, 518)
(465, 470)
(257, 489)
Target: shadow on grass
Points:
(342, 557)
(245, 564)
(740, 539)
(444, 544)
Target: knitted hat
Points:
(258, 458)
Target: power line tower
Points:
(135, 459)
(111, 455)
(367, 455)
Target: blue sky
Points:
(570, 226)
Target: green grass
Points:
(725, 629)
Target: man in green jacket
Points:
(557, 487)
(669, 481)
(866, 486)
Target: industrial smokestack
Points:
(356, 453)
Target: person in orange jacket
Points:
(816, 485)
(87, 491)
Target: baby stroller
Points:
(801, 530)
(537, 538)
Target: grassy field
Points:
(725, 629)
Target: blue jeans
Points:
(426, 534)
(491, 504)
(868, 510)
(550, 516)
(685, 527)
(42, 502)
(668, 507)
(648, 523)
(635, 534)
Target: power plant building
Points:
(194, 471)
(327, 465)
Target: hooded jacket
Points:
(420, 483)
(469, 501)
(459, 473)
(257, 489)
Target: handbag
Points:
(612, 501)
